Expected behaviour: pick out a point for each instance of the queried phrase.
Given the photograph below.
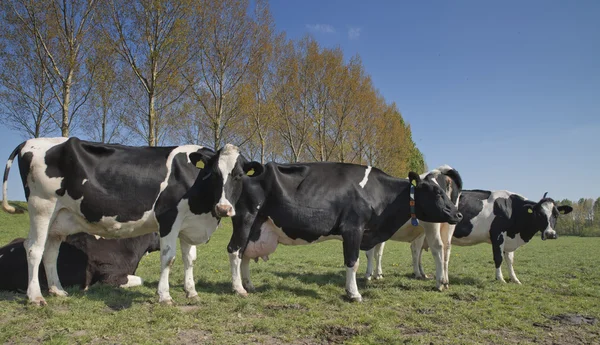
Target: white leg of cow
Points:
(34, 247)
(369, 253)
(168, 245)
(378, 256)
(509, 257)
(188, 254)
(432, 233)
(132, 281)
(351, 287)
(50, 259)
(416, 247)
(235, 264)
(245, 266)
(446, 232)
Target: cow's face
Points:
(432, 203)
(544, 215)
(227, 170)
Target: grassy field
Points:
(300, 300)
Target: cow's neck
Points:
(395, 212)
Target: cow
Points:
(506, 220)
(305, 203)
(113, 191)
(438, 234)
(83, 260)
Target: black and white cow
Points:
(113, 191)
(311, 202)
(83, 260)
(438, 234)
(502, 218)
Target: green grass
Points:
(300, 300)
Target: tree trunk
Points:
(65, 106)
(151, 117)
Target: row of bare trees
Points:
(183, 71)
(583, 221)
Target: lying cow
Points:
(450, 181)
(83, 261)
(504, 219)
(113, 191)
(306, 203)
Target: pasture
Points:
(300, 300)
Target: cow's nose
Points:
(223, 210)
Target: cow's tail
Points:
(8, 208)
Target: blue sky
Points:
(506, 92)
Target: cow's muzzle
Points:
(455, 219)
(549, 235)
(224, 210)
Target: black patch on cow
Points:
(122, 181)
(470, 205)
(24, 164)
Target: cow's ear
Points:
(253, 168)
(564, 209)
(414, 178)
(200, 158)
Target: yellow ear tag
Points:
(529, 210)
(250, 172)
(414, 182)
(200, 165)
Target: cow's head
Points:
(226, 171)
(543, 215)
(432, 203)
(448, 179)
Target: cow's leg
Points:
(416, 247)
(245, 267)
(351, 244)
(50, 259)
(446, 232)
(188, 254)
(497, 248)
(510, 256)
(432, 233)
(168, 245)
(40, 214)
(378, 256)
(236, 247)
(369, 253)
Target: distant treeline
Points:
(583, 221)
(205, 72)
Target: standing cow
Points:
(311, 202)
(502, 218)
(439, 234)
(113, 191)
(83, 260)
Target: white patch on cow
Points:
(133, 281)
(194, 228)
(512, 244)
(226, 164)
(12, 249)
(365, 179)
(547, 210)
(235, 263)
(351, 287)
(97, 237)
(84, 181)
(1, 255)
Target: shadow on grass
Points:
(114, 298)
(320, 279)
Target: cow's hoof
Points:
(39, 301)
(59, 293)
(501, 281)
(379, 277)
(439, 287)
(167, 301)
(249, 287)
(446, 286)
(241, 292)
(516, 281)
(357, 299)
(367, 277)
(423, 277)
(192, 295)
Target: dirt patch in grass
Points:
(294, 306)
(338, 334)
(412, 331)
(464, 296)
(574, 319)
(193, 336)
(188, 308)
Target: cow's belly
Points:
(271, 235)
(68, 222)
(407, 233)
(197, 228)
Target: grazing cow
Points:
(114, 191)
(83, 260)
(437, 234)
(504, 219)
(306, 203)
